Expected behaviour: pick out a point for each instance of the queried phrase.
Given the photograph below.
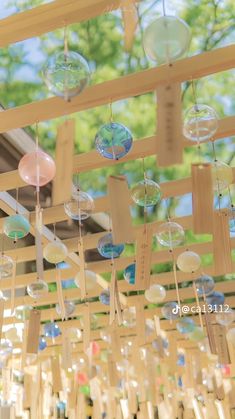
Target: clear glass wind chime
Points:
(67, 73)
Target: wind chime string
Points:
(197, 127)
(59, 284)
(17, 200)
(38, 223)
(81, 250)
(175, 278)
(168, 217)
(218, 188)
(145, 198)
(111, 121)
(198, 304)
(13, 282)
(164, 7)
(207, 317)
(38, 207)
(66, 96)
(232, 211)
(115, 306)
(60, 293)
(171, 251)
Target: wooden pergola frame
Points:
(47, 18)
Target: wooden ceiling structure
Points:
(48, 18)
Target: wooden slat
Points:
(221, 241)
(131, 85)
(33, 332)
(49, 314)
(202, 198)
(130, 20)
(56, 376)
(62, 183)
(140, 320)
(169, 124)
(1, 316)
(73, 294)
(221, 344)
(141, 148)
(48, 17)
(165, 278)
(143, 257)
(87, 327)
(124, 333)
(119, 201)
(121, 263)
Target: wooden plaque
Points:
(222, 243)
(169, 125)
(66, 350)
(87, 327)
(221, 344)
(1, 315)
(119, 202)
(202, 198)
(33, 332)
(82, 265)
(143, 257)
(56, 376)
(140, 321)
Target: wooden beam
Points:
(96, 307)
(92, 160)
(165, 278)
(125, 87)
(91, 240)
(49, 17)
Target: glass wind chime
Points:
(37, 169)
(113, 140)
(67, 73)
(167, 38)
(15, 227)
(79, 208)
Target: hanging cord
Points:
(220, 195)
(66, 50)
(230, 198)
(111, 122)
(66, 96)
(76, 181)
(3, 236)
(194, 93)
(171, 251)
(145, 197)
(197, 110)
(175, 279)
(17, 200)
(167, 210)
(232, 210)
(37, 169)
(2, 252)
(164, 7)
(111, 111)
(198, 304)
(54, 231)
(81, 254)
